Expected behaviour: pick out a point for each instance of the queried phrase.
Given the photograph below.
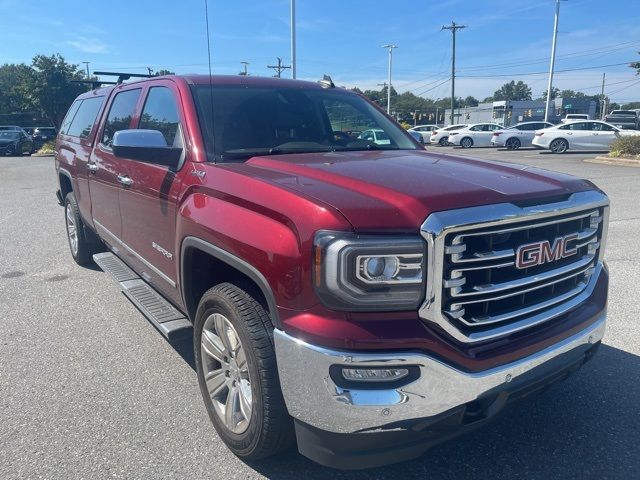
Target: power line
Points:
(545, 73)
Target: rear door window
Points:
(85, 117)
(120, 114)
(160, 113)
(71, 113)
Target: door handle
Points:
(125, 180)
(93, 168)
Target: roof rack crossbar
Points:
(122, 76)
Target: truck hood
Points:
(399, 189)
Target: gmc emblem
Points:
(537, 253)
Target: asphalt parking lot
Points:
(89, 389)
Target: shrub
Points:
(626, 147)
(47, 148)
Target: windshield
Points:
(249, 121)
(623, 112)
(9, 135)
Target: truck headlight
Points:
(369, 272)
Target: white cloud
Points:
(88, 45)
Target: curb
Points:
(621, 162)
(42, 154)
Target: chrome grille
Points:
(475, 292)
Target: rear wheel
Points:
(82, 248)
(443, 141)
(237, 373)
(559, 145)
(512, 144)
(10, 150)
(466, 142)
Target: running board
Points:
(165, 317)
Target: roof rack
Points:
(94, 83)
(123, 76)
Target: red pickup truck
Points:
(355, 294)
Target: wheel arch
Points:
(204, 265)
(66, 182)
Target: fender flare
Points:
(66, 173)
(233, 261)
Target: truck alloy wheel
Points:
(82, 247)
(559, 146)
(237, 372)
(226, 373)
(512, 144)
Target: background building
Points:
(511, 112)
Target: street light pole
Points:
(390, 47)
(293, 39)
(87, 65)
(553, 61)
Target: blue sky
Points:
(342, 38)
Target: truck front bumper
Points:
(371, 426)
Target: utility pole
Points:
(244, 72)
(86, 64)
(553, 61)
(293, 39)
(390, 47)
(453, 28)
(602, 112)
(279, 67)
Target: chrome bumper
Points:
(312, 396)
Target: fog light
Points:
(374, 374)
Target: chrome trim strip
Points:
(162, 275)
(312, 397)
(527, 310)
(440, 224)
(523, 282)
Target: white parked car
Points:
(424, 131)
(574, 117)
(376, 135)
(591, 135)
(519, 135)
(441, 135)
(476, 135)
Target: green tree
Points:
(555, 93)
(52, 87)
(15, 94)
(636, 65)
(513, 91)
(470, 101)
(161, 72)
(631, 106)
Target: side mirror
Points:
(146, 146)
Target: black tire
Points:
(85, 247)
(466, 142)
(559, 145)
(270, 428)
(10, 150)
(443, 141)
(512, 143)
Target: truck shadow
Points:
(585, 427)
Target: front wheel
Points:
(237, 373)
(512, 144)
(466, 142)
(559, 146)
